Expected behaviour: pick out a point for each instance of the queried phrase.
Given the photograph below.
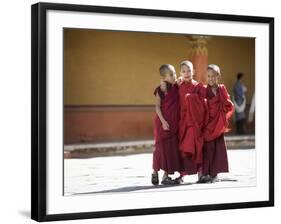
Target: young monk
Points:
(220, 109)
(166, 154)
(192, 119)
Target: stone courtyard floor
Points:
(132, 173)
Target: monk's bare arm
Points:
(158, 109)
(165, 124)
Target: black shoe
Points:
(179, 180)
(168, 181)
(214, 179)
(204, 179)
(154, 179)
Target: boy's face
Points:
(212, 78)
(170, 78)
(186, 72)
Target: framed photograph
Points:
(141, 111)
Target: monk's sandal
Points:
(154, 179)
(168, 181)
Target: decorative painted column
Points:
(199, 57)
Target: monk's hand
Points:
(165, 125)
(179, 80)
(163, 86)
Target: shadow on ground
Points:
(146, 187)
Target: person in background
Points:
(252, 110)
(239, 100)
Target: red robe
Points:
(166, 155)
(220, 109)
(195, 120)
(192, 119)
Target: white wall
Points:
(15, 109)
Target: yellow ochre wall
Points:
(110, 76)
(121, 68)
(234, 55)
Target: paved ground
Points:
(93, 150)
(132, 173)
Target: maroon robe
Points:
(192, 119)
(195, 120)
(166, 155)
(220, 109)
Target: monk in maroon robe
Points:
(220, 109)
(166, 155)
(192, 119)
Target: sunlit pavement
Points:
(132, 173)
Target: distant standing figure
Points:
(252, 110)
(239, 101)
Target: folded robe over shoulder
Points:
(220, 109)
(195, 120)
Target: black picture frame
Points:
(39, 122)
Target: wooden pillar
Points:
(199, 57)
